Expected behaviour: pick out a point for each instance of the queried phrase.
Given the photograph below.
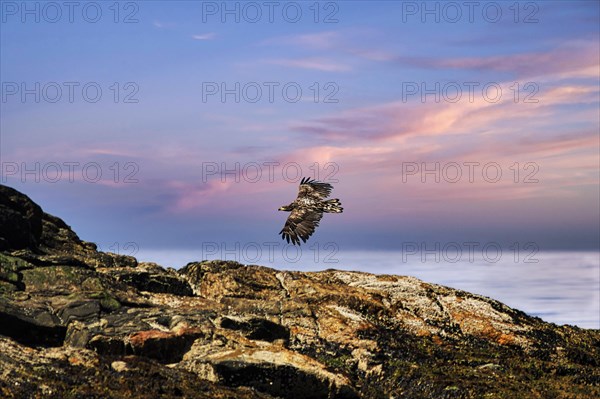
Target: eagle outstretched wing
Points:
(312, 189)
(300, 225)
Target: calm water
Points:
(559, 287)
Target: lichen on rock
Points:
(76, 322)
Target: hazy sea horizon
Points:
(561, 287)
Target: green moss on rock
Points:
(108, 302)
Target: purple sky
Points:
(499, 104)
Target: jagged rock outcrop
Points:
(79, 323)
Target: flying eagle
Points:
(307, 210)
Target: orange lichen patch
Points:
(139, 338)
(460, 316)
(506, 339)
(142, 338)
(75, 361)
(387, 277)
(294, 330)
(168, 347)
(365, 326)
(480, 326)
(83, 359)
(490, 332)
(423, 333)
(497, 336)
(335, 328)
(184, 329)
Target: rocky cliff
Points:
(79, 323)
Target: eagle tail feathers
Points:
(332, 206)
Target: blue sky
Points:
(366, 127)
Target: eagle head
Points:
(286, 208)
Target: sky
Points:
(155, 126)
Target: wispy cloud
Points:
(320, 40)
(319, 64)
(556, 73)
(205, 36)
(163, 25)
(348, 43)
(582, 58)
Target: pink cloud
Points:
(582, 58)
(401, 119)
(189, 196)
(370, 145)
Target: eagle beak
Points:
(280, 209)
